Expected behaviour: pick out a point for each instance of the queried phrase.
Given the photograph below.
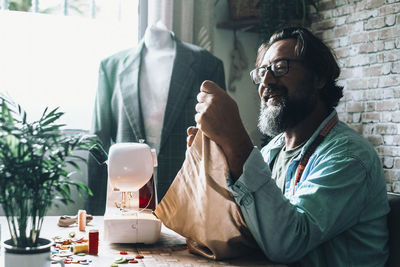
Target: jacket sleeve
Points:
(101, 126)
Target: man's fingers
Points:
(189, 140)
(209, 87)
(200, 107)
(191, 130)
(201, 97)
(197, 118)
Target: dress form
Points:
(155, 76)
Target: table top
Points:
(169, 250)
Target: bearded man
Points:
(316, 194)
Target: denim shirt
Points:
(336, 215)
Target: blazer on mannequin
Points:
(118, 113)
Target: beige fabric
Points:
(199, 206)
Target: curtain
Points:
(192, 21)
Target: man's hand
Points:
(219, 119)
(217, 113)
(191, 132)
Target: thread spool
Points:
(81, 248)
(82, 220)
(93, 242)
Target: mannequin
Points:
(149, 92)
(155, 76)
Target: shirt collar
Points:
(278, 141)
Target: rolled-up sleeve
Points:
(325, 204)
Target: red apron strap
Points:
(310, 150)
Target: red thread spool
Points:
(93, 242)
(147, 195)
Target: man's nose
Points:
(268, 79)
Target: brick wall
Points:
(365, 36)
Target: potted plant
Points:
(33, 160)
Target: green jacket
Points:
(117, 113)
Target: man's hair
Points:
(317, 57)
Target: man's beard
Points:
(289, 112)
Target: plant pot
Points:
(29, 256)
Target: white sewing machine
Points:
(130, 167)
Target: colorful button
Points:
(121, 260)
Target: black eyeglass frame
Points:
(271, 67)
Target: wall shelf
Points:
(250, 25)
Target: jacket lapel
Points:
(180, 85)
(129, 81)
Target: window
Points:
(49, 59)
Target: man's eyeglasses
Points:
(279, 68)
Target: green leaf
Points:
(52, 112)
(50, 119)
(83, 188)
(73, 163)
(44, 112)
(65, 190)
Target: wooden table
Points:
(170, 249)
